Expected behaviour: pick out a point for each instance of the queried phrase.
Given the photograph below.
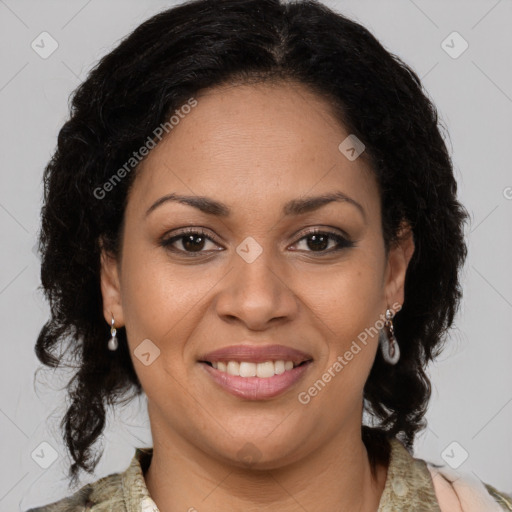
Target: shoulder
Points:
(469, 491)
(419, 484)
(116, 492)
(106, 491)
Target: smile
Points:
(255, 372)
(250, 369)
(255, 381)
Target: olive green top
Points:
(409, 486)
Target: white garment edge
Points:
(462, 492)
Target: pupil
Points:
(189, 245)
(318, 242)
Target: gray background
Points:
(472, 380)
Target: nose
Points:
(257, 294)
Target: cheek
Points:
(163, 302)
(346, 305)
(152, 303)
(347, 297)
(158, 305)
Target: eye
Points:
(189, 241)
(324, 242)
(194, 242)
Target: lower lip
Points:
(256, 388)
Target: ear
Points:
(111, 289)
(399, 256)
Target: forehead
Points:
(251, 144)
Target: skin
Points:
(254, 148)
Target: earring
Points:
(388, 344)
(112, 342)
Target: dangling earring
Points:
(112, 342)
(388, 344)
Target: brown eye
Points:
(318, 242)
(325, 242)
(193, 242)
(189, 242)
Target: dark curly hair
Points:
(136, 87)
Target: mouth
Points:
(256, 372)
(247, 369)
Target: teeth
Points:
(279, 367)
(233, 368)
(265, 369)
(246, 369)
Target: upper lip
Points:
(256, 354)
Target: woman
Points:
(251, 217)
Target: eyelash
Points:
(342, 242)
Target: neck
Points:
(336, 476)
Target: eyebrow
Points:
(293, 207)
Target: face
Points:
(257, 268)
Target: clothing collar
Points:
(135, 492)
(408, 484)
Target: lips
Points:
(244, 370)
(256, 354)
